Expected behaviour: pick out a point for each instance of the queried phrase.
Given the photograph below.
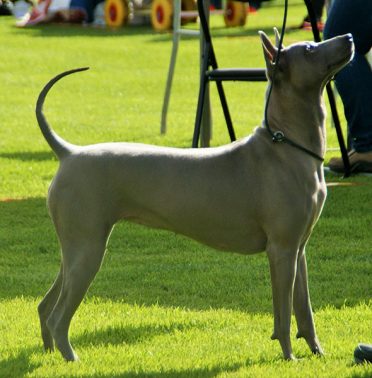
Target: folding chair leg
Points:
(199, 111)
(336, 121)
(226, 112)
(172, 64)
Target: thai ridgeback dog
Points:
(249, 196)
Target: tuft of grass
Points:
(162, 305)
(124, 340)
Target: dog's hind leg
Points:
(302, 306)
(282, 268)
(82, 259)
(45, 308)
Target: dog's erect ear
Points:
(277, 38)
(270, 52)
(269, 49)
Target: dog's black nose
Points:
(349, 37)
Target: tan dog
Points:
(249, 196)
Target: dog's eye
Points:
(309, 48)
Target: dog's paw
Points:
(317, 350)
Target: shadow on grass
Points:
(21, 365)
(131, 335)
(189, 373)
(29, 156)
(148, 267)
(65, 30)
(18, 365)
(366, 374)
(56, 30)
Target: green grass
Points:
(162, 305)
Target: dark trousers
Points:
(354, 82)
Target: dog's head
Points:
(307, 65)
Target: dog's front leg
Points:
(283, 270)
(302, 306)
(275, 295)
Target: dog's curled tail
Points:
(60, 147)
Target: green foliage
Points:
(162, 305)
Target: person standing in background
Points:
(354, 82)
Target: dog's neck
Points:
(306, 125)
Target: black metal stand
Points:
(211, 72)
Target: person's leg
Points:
(351, 16)
(354, 82)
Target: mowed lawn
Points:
(162, 305)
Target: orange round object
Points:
(162, 15)
(116, 12)
(235, 13)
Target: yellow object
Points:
(116, 12)
(235, 13)
(162, 14)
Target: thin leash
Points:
(278, 136)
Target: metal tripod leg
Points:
(163, 127)
(177, 32)
(200, 106)
(172, 64)
(336, 121)
(226, 111)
